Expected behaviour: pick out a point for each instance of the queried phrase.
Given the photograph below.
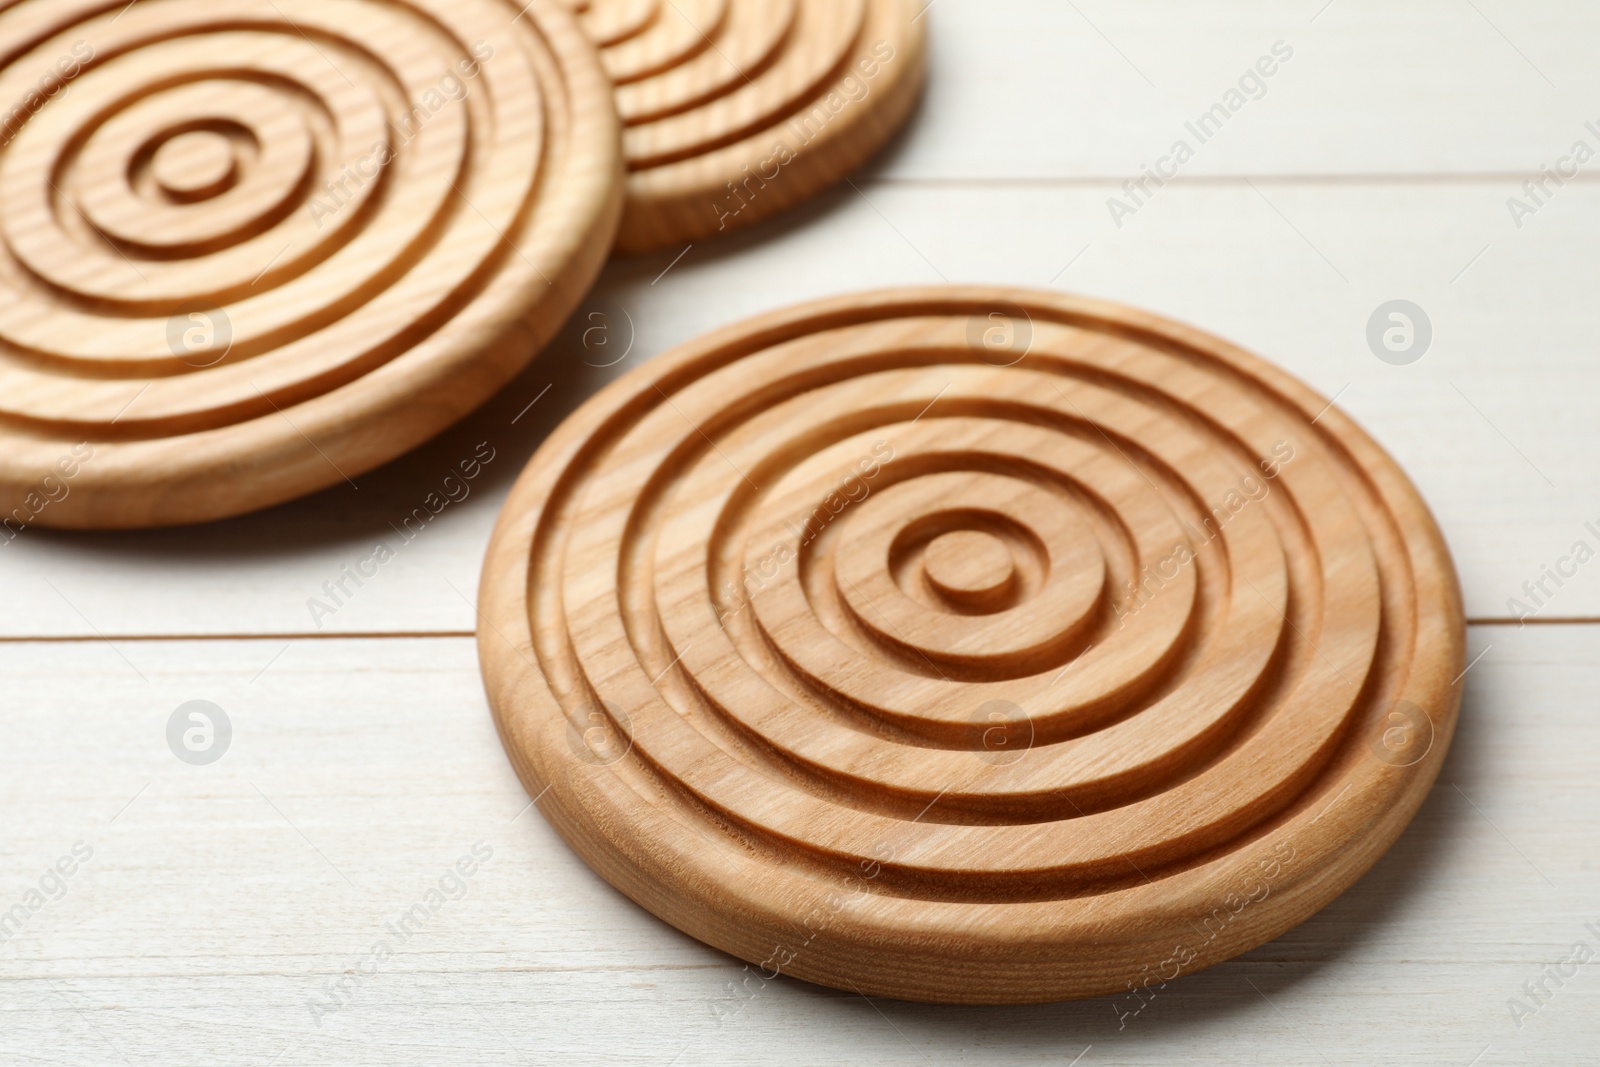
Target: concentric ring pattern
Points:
(736, 109)
(971, 645)
(249, 248)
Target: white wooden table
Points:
(219, 906)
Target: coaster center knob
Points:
(972, 569)
(195, 165)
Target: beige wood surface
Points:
(734, 110)
(1025, 647)
(253, 249)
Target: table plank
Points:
(220, 900)
(1484, 421)
(1093, 89)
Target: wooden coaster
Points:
(736, 109)
(253, 248)
(971, 645)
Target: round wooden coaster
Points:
(252, 248)
(971, 645)
(736, 109)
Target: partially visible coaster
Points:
(252, 248)
(971, 645)
(736, 109)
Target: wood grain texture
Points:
(736, 109)
(254, 248)
(971, 645)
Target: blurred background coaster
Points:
(736, 109)
(254, 248)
